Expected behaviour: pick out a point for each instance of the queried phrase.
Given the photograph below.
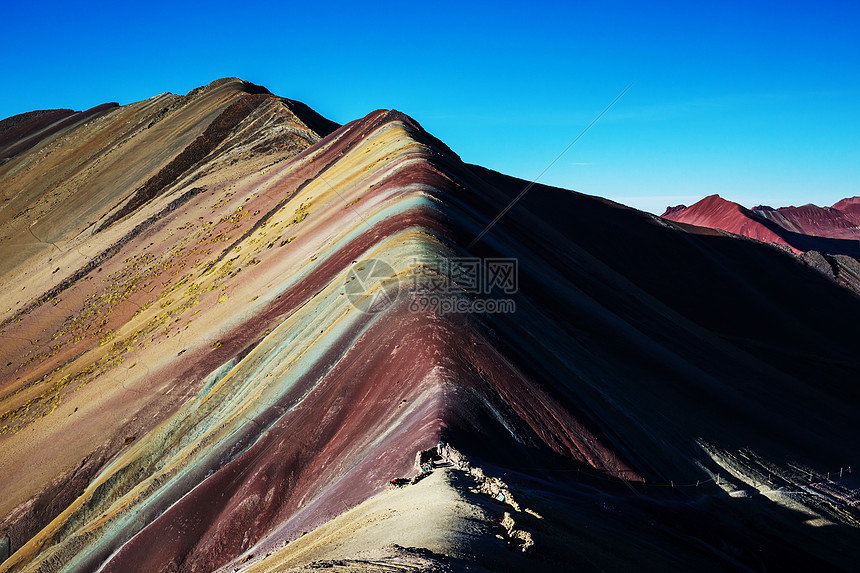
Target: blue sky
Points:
(758, 103)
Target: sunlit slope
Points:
(215, 319)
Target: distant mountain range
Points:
(233, 334)
(799, 228)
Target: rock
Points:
(517, 538)
(819, 262)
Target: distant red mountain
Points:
(850, 207)
(834, 230)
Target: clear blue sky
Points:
(756, 103)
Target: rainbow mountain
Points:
(232, 338)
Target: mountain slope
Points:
(199, 380)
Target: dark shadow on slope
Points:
(597, 521)
(766, 361)
(735, 288)
(321, 125)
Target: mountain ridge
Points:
(226, 394)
